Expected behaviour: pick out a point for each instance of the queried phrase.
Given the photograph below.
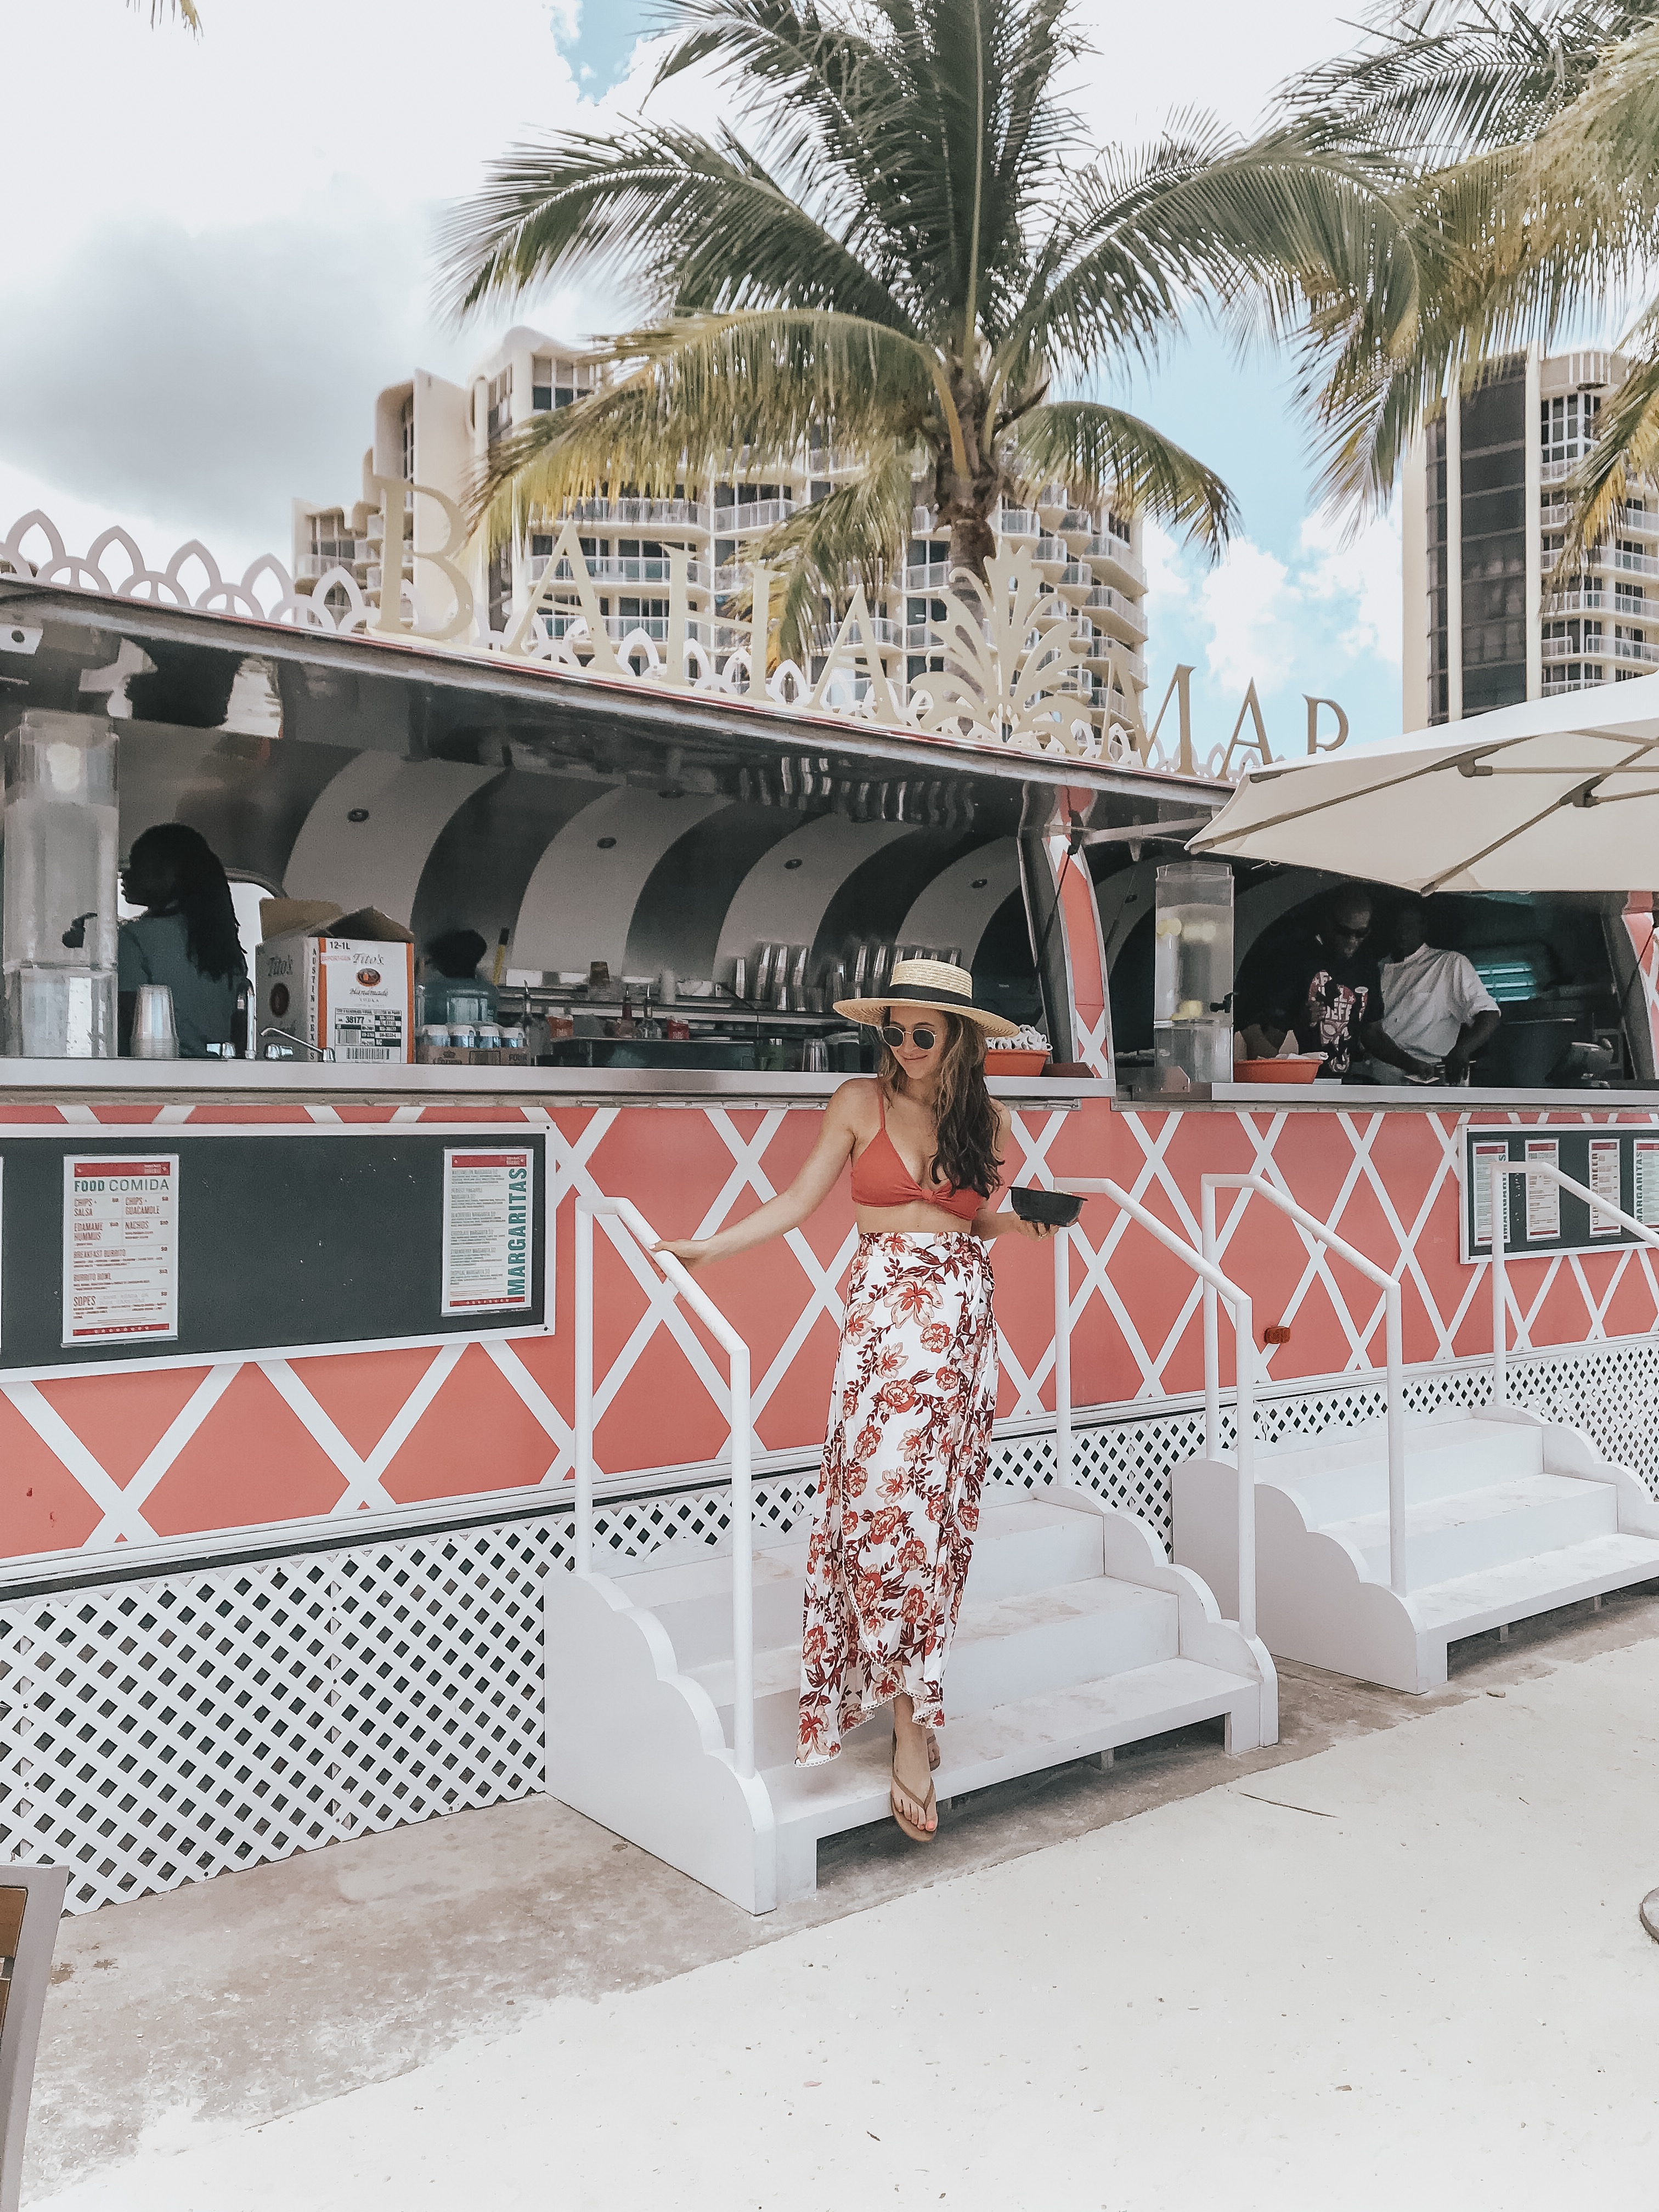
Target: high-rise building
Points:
(438, 434)
(1484, 520)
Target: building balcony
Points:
(753, 514)
(1018, 522)
(1102, 600)
(641, 513)
(1589, 677)
(1636, 649)
(1109, 551)
(928, 577)
(616, 570)
(1633, 564)
(347, 554)
(1587, 598)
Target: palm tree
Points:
(905, 252)
(185, 10)
(1516, 155)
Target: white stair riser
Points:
(1069, 1551)
(1336, 1493)
(699, 1628)
(1496, 1539)
(1016, 1563)
(1056, 1654)
(985, 1672)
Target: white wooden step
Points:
(1460, 1534)
(1339, 1477)
(1465, 1605)
(1023, 1736)
(1025, 1545)
(1005, 1650)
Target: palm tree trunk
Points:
(973, 541)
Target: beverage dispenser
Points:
(1192, 973)
(61, 833)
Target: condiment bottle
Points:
(626, 1024)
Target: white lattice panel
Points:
(158, 1732)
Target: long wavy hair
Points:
(201, 893)
(964, 1120)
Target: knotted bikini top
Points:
(881, 1178)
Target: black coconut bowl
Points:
(1055, 1209)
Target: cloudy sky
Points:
(218, 251)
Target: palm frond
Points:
(186, 11)
(1110, 455)
(1625, 451)
(700, 396)
(1445, 84)
(696, 224)
(1200, 214)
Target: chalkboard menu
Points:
(1619, 1164)
(205, 1243)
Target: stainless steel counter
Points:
(1410, 1098)
(205, 1082)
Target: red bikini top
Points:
(881, 1178)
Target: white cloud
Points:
(1248, 601)
(1359, 576)
(1256, 617)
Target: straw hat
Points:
(933, 983)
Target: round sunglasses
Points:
(924, 1035)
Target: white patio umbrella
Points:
(1559, 795)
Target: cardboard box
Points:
(350, 993)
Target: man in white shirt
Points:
(1436, 1010)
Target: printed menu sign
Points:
(1604, 1182)
(487, 1230)
(120, 1249)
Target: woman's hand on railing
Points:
(691, 1252)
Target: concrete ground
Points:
(1397, 1955)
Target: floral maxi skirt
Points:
(909, 1431)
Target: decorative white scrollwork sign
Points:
(1008, 666)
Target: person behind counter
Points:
(1324, 988)
(185, 937)
(916, 1381)
(454, 990)
(1435, 1010)
(1319, 987)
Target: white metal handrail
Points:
(1312, 1226)
(1238, 1302)
(1497, 1170)
(635, 1224)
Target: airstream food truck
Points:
(321, 1364)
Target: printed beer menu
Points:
(120, 1249)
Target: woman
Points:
(915, 1381)
(185, 938)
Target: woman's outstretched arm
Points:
(816, 1179)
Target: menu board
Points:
(1617, 1165)
(120, 1248)
(1543, 1193)
(487, 1230)
(1604, 1181)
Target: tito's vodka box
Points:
(353, 995)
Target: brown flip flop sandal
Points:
(930, 1803)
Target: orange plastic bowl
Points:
(1017, 1060)
(1301, 1067)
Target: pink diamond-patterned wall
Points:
(93, 1462)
